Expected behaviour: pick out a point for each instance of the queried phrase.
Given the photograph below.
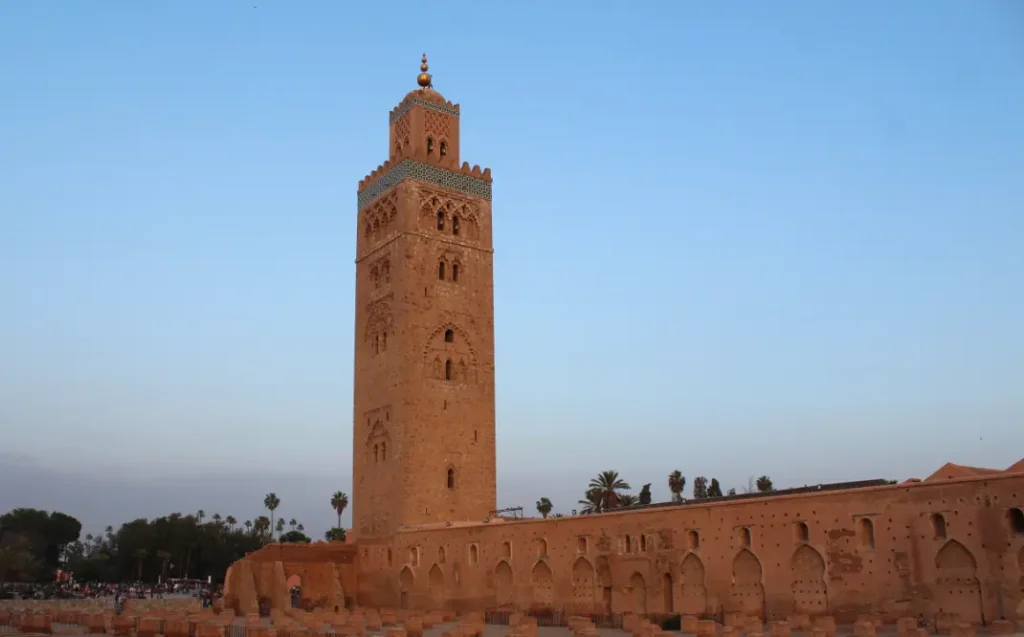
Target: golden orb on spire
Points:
(424, 80)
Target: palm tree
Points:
(292, 522)
(338, 502)
(592, 503)
(140, 554)
(248, 525)
(272, 502)
(217, 518)
(627, 499)
(200, 514)
(165, 557)
(280, 527)
(609, 484)
(231, 522)
(764, 484)
(676, 484)
(261, 526)
(544, 507)
(300, 528)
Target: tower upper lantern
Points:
(425, 126)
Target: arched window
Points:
(440, 270)
(375, 451)
(369, 229)
(451, 478)
(449, 336)
(472, 554)
(440, 219)
(455, 272)
(430, 145)
(376, 344)
(939, 526)
(448, 369)
(867, 533)
(643, 543)
(693, 540)
(383, 340)
(803, 534)
(745, 537)
(1016, 518)
(629, 545)
(455, 224)
(444, 148)
(383, 451)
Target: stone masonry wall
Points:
(932, 547)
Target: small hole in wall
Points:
(474, 436)
(445, 405)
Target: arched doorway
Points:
(543, 585)
(638, 590)
(958, 591)
(583, 586)
(668, 594)
(747, 593)
(503, 587)
(294, 585)
(436, 579)
(604, 578)
(406, 580)
(810, 594)
(694, 598)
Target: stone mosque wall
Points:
(942, 547)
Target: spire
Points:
(425, 80)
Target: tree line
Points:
(608, 491)
(35, 544)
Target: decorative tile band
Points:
(434, 106)
(411, 169)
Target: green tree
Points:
(231, 522)
(293, 523)
(591, 503)
(271, 501)
(764, 485)
(714, 489)
(335, 535)
(609, 485)
(544, 507)
(339, 501)
(700, 488)
(676, 484)
(295, 537)
(280, 527)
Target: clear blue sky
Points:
(731, 238)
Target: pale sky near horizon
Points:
(780, 238)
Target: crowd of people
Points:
(118, 592)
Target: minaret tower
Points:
(424, 431)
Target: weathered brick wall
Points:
(842, 553)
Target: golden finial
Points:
(424, 80)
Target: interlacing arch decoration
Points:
(402, 135)
(378, 327)
(378, 443)
(380, 273)
(449, 355)
(379, 219)
(449, 214)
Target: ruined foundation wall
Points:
(927, 547)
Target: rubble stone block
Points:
(864, 628)
(826, 623)
(1001, 627)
